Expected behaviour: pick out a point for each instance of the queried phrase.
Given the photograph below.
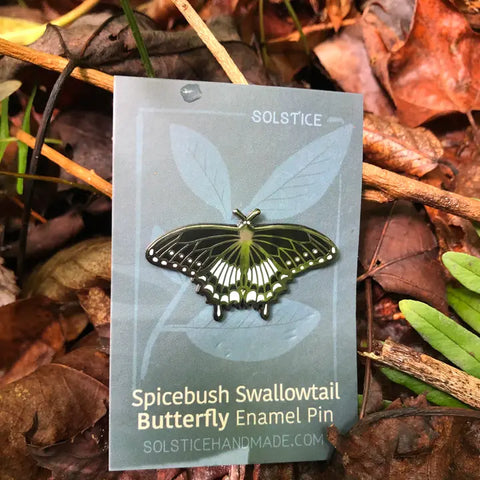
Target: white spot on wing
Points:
(208, 287)
(163, 262)
(234, 296)
(155, 259)
(277, 286)
(151, 251)
(251, 296)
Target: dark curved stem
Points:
(40, 138)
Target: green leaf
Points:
(22, 147)
(4, 128)
(466, 303)
(458, 344)
(433, 395)
(8, 87)
(465, 268)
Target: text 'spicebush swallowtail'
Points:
(242, 266)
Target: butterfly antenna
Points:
(253, 214)
(239, 214)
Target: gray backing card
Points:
(188, 154)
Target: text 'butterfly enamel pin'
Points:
(243, 266)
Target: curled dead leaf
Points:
(84, 265)
(389, 144)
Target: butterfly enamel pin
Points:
(242, 266)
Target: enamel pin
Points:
(242, 266)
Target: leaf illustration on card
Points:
(201, 167)
(301, 180)
(246, 339)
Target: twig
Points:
(399, 186)
(56, 63)
(376, 196)
(82, 173)
(307, 30)
(33, 213)
(207, 37)
(438, 374)
(391, 184)
(44, 178)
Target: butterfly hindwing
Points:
(241, 266)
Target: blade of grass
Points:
(4, 129)
(433, 395)
(458, 344)
(142, 49)
(298, 25)
(22, 147)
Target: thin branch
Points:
(391, 184)
(44, 178)
(55, 63)
(33, 213)
(309, 29)
(82, 173)
(438, 374)
(208, 38)
(399, 186)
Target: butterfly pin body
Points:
(242, 266)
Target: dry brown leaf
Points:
(399, 251)
(389, 144)
(337, 10)
(30, 335)
(436, 71)
(345, 58)
(410, 444)
(84, 265)
(96, 304)
(8, 285)
(53, 404)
